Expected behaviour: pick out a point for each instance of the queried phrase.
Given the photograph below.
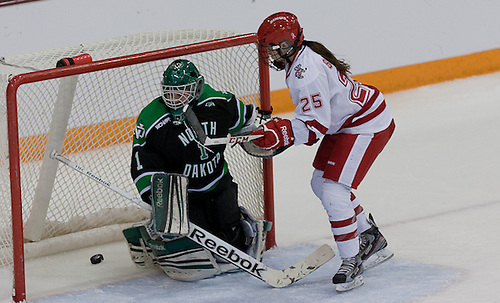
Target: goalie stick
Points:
(273, 277)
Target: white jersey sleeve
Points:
(328, 102)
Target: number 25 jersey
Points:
(329, 102)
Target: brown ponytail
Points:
(342, 66)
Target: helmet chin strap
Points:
(287, 59)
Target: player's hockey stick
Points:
(206, 140)
(230, 139)
(273, 277)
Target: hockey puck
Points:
(96, 259)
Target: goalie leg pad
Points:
(183, 259)
(169, 214)
(140, 253)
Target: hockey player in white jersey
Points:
(354, 123)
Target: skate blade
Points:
(378, 258)
(343, 287)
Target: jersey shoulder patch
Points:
(155, 112)
(305, 69)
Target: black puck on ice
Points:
(96, 259)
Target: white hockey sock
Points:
(337, 203)
(348, 249)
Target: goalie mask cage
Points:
(87, 112)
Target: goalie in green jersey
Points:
(167, 144)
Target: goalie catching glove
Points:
(276, 133)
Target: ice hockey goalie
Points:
(161, 240)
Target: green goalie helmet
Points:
(181, 84)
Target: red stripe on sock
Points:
(345, 237)
(343, 223)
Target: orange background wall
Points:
(413, 76)
(391, 80)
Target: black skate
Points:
(373, 246)
(349, 274)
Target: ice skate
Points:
(349, 274)
(373, 246)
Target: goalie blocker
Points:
(166, 240)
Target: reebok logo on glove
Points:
(284, 133)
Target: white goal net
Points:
(90, 117)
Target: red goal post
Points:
(15, 147)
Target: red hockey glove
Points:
(277, 133)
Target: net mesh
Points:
(99, 130)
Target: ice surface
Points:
(434, 192)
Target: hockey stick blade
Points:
(292, 274)
(273, 277)
(230, 140)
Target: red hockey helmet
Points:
(279, 36)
